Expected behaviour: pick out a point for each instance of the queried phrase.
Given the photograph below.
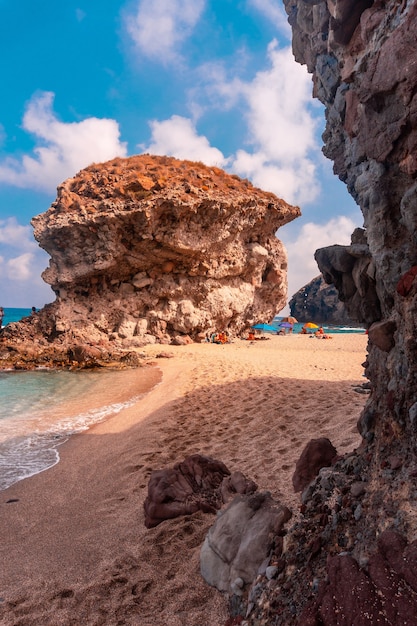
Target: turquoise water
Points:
(14, 315)
(327, 329)
(39, 410)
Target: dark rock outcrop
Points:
(320, 302)
(352, 272)
(388, 588)
(152, 249)
(345, 559)
(318, 453)
(198, 483)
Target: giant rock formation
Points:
(153, 249)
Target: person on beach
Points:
(223, 337)
(33, 310)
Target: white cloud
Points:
(279, 150)
(62, 148)
(178, 137)
(14, 234)
(159, 28)
(281, 130)
(278, 100)
(216, 86)
(274, 13)
(18, 291)
(294, 184)
(301, 264)
(21, 265)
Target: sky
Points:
(207, 80)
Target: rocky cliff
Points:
(351, 270)
(153, 249)
(349, 559)
(319, 302)
(362, 57)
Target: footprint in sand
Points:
(132, 469)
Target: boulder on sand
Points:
(198, 483)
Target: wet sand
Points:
(74, 548)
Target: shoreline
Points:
(41, 410)
(76, 531)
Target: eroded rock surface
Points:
(387, 588)
(240, 540)
(351, 269)
(341, 562)
(317, 453)
(152, 249)
(319, 302)
(198, 483)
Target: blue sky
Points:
(207, 80)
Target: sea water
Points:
(40, 409)
(297, 328)
(14, 315)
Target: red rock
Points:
(194, 484)
(350, 597)
(410, 565)
(383, 594)
(406, 281)
(318, 453)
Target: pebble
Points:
(271, 571)
(237, 587)
(357, 489)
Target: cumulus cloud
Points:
(14, 234)
(21, 265)
(281, 144)
(279, 148)
(61, 148)
(159, 28)
(281, 130)
(178, 137)
(274, 14)
(301, 248)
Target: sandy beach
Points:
(74, 548)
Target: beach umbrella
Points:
(266, 328)
(286, 325)
(310, 325)
(290, 319)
